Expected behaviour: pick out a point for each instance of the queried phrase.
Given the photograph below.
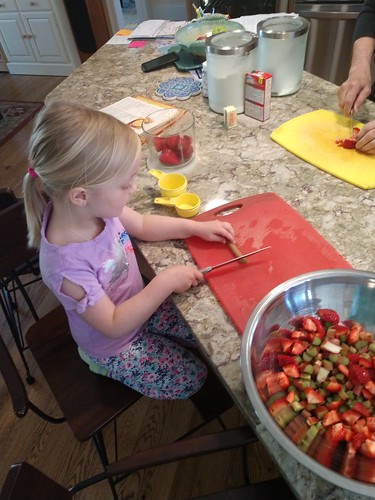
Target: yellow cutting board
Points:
(312, 137)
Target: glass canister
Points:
(281, 51)
(229, 56)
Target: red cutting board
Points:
(258, 221)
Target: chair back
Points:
(14, 251)
(7, 197)
(23, 477)
(13, 381)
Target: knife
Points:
(351, 122)
(210, 268)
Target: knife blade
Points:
(351, 122)
(207, 269)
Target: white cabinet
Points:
(36, 38)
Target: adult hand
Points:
(366, 138)
(354, 91)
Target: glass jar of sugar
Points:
(229, 56)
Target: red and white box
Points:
(258, 95)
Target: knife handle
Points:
(236, 252)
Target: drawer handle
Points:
(27, 37)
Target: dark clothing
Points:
(365, 25)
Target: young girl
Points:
(85, 162)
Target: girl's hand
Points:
(179, 278)
(215, 230)
(366, 138)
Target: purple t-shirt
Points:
(104, 265)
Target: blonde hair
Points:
(72, 145)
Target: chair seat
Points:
(88, 401)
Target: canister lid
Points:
(232, 43)
(282, 27)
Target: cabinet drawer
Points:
(7, 6)
(29, 5)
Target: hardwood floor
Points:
(52, 448)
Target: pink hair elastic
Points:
(32, 173)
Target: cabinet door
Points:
(46, 40)
(25, 5)
(7, 6)
(14, 39)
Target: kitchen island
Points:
(232, 164)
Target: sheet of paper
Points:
(120, 38)
(157, 28)
(133, 110)
(250, 22)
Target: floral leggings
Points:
(157, 363)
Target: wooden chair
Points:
(19, 267)
(90, 402)
(24, 477)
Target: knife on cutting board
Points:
(207, 269)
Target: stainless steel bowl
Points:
(352, 294)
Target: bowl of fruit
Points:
(308, 364)
(192, 36)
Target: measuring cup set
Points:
(173, 193)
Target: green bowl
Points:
(187, 36)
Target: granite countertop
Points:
(232, 164)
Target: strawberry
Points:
(358, 375)
(333, 387)
(313, 397)
(330, 418)
(328, 316)
(187, 153)
(169, 157)
(367, 448)
(172, 141)
(350, 417)
(358, 407)
(284, 359)
(353, 335)
(292, 370)
(159, 143)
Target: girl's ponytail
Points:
(35, 203)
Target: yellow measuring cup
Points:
(186, 205)
(170, 185)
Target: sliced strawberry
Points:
(292, 370)
(358, 407)
(333, 387)
(277, 381)
(308, 324)
(313, 397)
(358, 439)
(367, 448)
(330, 418)
(286, 344)
(328, 316)
(299, 347)
(353, 335)
(284, 359)
(335, 433)
(350, 417)
(169, 157)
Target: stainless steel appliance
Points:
(329, 45)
